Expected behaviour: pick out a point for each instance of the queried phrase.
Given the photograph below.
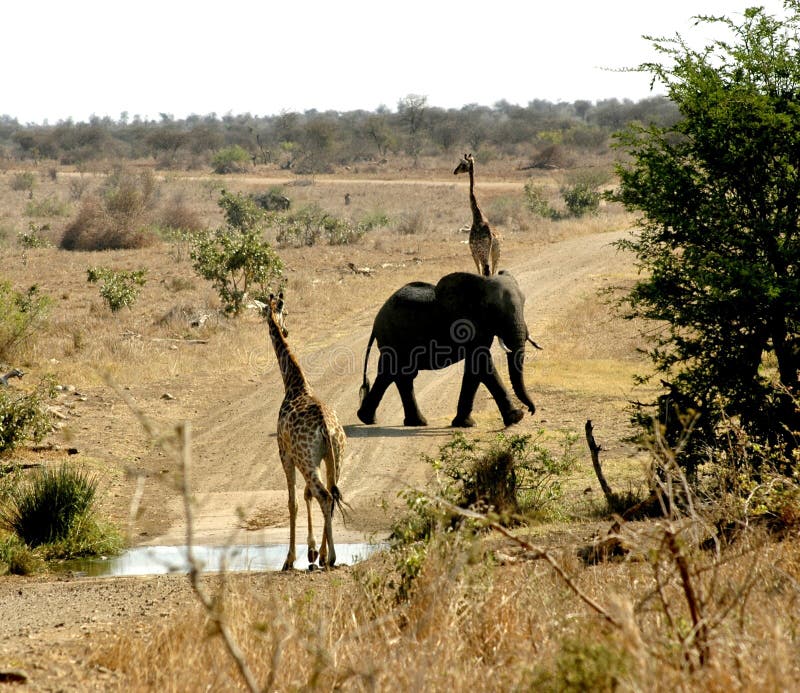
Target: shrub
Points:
(230, 160)
(21, 314)
(509, 475)
(117, 217)
(16, 558)
(118, 288)
(580, 198)
(178, 215)
(23, 181)
(536, 201)
(374, 220)
(584, 666)
(273, 200)
(307, 225)
(49, 206)
(54, 507)
(412, 223)
(24, 416)
(235, 259)
(33, 238)
(512, 473)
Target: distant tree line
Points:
(315, 141)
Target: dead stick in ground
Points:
(212, 609)
(594, 450)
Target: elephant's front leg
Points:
(405, 386)
(466, 400)
(508, 411)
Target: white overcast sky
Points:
(77, 58)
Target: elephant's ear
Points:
(463, 295)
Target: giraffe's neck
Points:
(477, 215)
(293, 379)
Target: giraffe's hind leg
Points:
(327, 554)
(313, 554)
(289, 470)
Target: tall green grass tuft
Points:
(53, 509)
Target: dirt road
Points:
(236, 472)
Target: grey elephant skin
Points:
(427, 327)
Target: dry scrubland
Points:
(483, 614)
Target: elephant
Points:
(427, 327)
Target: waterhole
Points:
(159, 560)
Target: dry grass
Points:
(472, 624)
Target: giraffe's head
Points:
(276, 308)
(465, 165)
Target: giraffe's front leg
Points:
(312, 544)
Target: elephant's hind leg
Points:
(413, 417)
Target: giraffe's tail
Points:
(363, 391)
(340, 503)
(487, 272)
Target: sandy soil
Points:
(49, 625)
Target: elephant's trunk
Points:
(516, 358)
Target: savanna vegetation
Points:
(506, 569)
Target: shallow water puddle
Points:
(159, 560)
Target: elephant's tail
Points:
(364, 389)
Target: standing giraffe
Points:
(308, 432)
(483, 241)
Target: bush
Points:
(235, 259)
(33, 238)
(116, 218)
(49, 206)
(16, 558)
(536, 201)
(23, 181)
(309, 224)
(24, 416)
(584, 666)
(273, 200)
(580, 198)
(412, 223)
(230, 160)
(53, 508)
(374, 220)
(512, 474)
(508, 476)
(177, 215)
(21, 314)
(118, 288)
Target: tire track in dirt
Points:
(236, 471)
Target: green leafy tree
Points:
(719, 239)
(235, 258)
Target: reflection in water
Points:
(158, 560)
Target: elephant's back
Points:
(415, 293)
(407, 309)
